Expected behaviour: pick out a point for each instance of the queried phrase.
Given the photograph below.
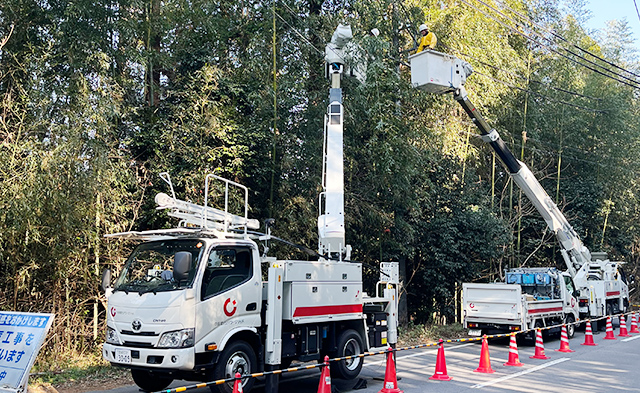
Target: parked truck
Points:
(193, 302)
(530, 298)
(602, 285)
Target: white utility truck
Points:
(530, 298)
(602, 284)
(193, 303)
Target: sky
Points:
(604, 10)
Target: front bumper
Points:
(165, 358)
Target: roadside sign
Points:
(21, 337)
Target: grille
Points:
(132, 333)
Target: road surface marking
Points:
(419, 354)
(630, 338)
(381, 361)
(540, 367)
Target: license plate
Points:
(475, 332)
(123, 356)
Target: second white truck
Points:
(531, 298)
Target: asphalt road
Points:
(611, 366)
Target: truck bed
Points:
(492, 303)
(502, 306)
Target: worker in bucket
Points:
(428, 40)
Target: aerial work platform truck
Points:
(600, 285)
(193, 303)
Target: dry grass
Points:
(77, 373)
(422, 334)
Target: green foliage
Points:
(99, 97)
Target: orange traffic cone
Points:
(609, 335)
(588, 335)
(485, 361)
(623, 327)
(539, 347)
(634, 324)
(390, 379)
(237, 385)
(441, 365)
(325, 378)
(514, 359)
(564, 341)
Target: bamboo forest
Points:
(98, 97)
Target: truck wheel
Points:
(540, 325)
(531, 336)
(150, 381)
(237, 357)
(571, 327)
(349, 344)
(625, 304)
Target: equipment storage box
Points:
(378, 328)
(543, 278)
(528, 278)
(436, 72)
(317, 291)
(514, 278)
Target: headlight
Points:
(177, 339)
(112, 336)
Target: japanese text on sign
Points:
(21, 336)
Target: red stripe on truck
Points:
(327, 310)
(539, 310)
(613, 293)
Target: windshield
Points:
(150, 267)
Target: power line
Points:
(547, 46)
(637, 12)
(564, 49)
(555, 43)
(527, 79)
(486, 76)
(542, 95)
(300, 34)
(524, 18)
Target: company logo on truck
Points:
(228, 312)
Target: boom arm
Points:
(331, 231)
(439, 73)
(574, 251)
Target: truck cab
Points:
(161, 318)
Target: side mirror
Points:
(576, 294)
(181, 265)
(106, 279)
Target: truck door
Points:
(229, 294)
(570, 293)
